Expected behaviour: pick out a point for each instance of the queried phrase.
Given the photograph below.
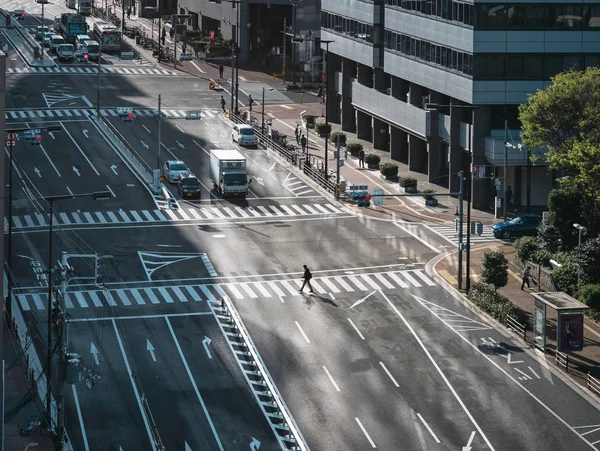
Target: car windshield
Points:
(236, 179)
(190, 182)
(177, 167)
(246, 131)
(515, 221)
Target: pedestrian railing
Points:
(561, 359)
(593, 384)
(517, 327)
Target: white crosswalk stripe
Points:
(235, 290)
(181, 215)
(115, 70)
(297, 187)
(61, 113)
(451, 233)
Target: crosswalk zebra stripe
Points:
(235, 291)
(335, 289)
(292, 290)
(195, 296)
(384, 282)
(317, 286)
(399, 281)
(207, 293)
(357, 282)
(179, 294)
(112, 216)
(370, 282)
(263, 292)
(412, 280)
(275, 288)
(248, 291)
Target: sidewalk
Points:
(22, 42)
(581, 362)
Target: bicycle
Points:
(32, 426)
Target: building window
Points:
(349, 27)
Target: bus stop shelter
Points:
(568, 330)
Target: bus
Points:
(83, 7)
(108, 36)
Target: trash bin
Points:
(137, 40)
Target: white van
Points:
(92, 48)
(55, 41)
(244, 135)
(81, 38)
(65, 52)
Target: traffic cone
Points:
(456, 211)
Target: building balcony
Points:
(352, 48)
(494, 153)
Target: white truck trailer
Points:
(227, 171)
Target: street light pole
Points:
(470, 193)
(237, 63)
(49, 344)
(9, 242)
(98, 93)
(262, 127)
(294, 6)
(159, 122)
(504, 203)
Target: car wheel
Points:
(506, 234)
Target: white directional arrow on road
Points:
(260, 181)
(24, 256)
(144, 144)
(360, 301)
(254, 444)
(114, 169)
(468, 447)
(187, 447)
(38, 172)
(51, 135)
(94, 352)
(179, 144)
(76, 171)
(85, 132)
(150, 349)
(206, 342)
(272, 167)
(120, 448)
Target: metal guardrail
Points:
(289, 435)
(562, 359)
(593, 384)
(517, 327)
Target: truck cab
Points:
(56, 40)
(66, 52)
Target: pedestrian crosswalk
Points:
(296, 186)
(209, 212)
(65, 114)
(73, 70)
(450, 233)
(276, 289)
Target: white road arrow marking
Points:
(207, 341)
(114, 169)
(179, 144)
(360, 301)
(38, 172)
(187, 447)
(260, 181)
(508, 359)
(85, 132)
(144, 144)
(51, 135)
(254, 444)
(24, 256)
(94, 352)
(76, 171)
(272, 167)
(468, 447)
(150, 349)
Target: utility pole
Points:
(159, 32)
(284, 46)
(159, 117)
(237, 63)
(98, 93)
(460, 229)
(10, 227)
(505, 181)
(338, 156)
(60, 441)
(470, 201)
(49, 343)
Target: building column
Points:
(417, 155)
(348, 118)
(398, 145)
(364, 127)
(433, 148)
(483, 189)
(456, 151)
(381, 135)
(334, 77)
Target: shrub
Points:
(587, 256)
(310, 119)
(563, 257)
(372, 158)
(322, 128)
(542, 257)
(227, 43)
(353, 148)
(565, 278)
(590, 295)
(408, 181)
(389, 169)
(489, 300)
(428, 194)
(205, 39)
(525, 247)
(333, 137)
(190, 35)
(494, 268)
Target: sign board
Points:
(211, 35)
(377, 196)
(156, 179)
(124, 110)
(569, 335)
(358, 187)
(11, 138)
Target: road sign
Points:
(378, 196)
(156, 180)
(211, 35)
(11, 138)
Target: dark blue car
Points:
(524, 225)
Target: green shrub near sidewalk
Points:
(372, 158)
(333, 137)
(486, 297)
(526, 246)
(389, 169)
(494, 268)
(590, 296)
(353, 148)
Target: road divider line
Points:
(179, 128)
(418, 238)
(64, 129)
(389, 374)
(197, 67)
(198, 395)
(51, 162)
(133, 385)
(302, 332)
(80, 417)
(331, 378)
(439, 370)
(111, 191)
(428, 428)
(146, 128)
(362, 428)
(356, 329)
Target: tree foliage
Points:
(494, 268)
(587, 257)
(565, 117)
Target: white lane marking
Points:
(302, 332)
(189, 373)
(389, 374)
(78, 407)
(196, 66)
(112, 193)
(439, 370)
(534, 373)
(64, 129)
(179, 128)
(51, 162)
(362, 428)
(428, 428)
(146, 128)
(356, 329)
(331, 378)
(133, 384)
(418, 238)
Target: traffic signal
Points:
(85, 57)
(363, 200)
(479, 171)
(128, 118)
(34, 137)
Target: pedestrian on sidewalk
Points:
(129, 12)
(183, 47)
(223, 104)
(297, 133)
(303, 143)
(250, 102)
(307, 276)
(361, 159)
(164, 36)
(221, 69)
(525, 277)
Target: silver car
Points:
(173, 169)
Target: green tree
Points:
(587, 257)
(566, 206)
(565, 117)
(494, 268)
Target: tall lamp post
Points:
(262, 128)
(96, 195)
(325, 98)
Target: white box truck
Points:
(227, 171)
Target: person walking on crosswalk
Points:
(307, 276)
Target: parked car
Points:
(524, 225)
(188, 186)
(48, 38)
(244, 135)
(173, 169)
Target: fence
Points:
(562, 359)
(517, 327)
(593, 384)
(541, 276)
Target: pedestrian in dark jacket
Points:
(361, 158)
(525, 277)
(221, 69)
(307, 276)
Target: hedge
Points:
(353, 148)
(372, 158)
(408, 181)
(389, 169)
(490, 301)
(323, 128)
(333, 137)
